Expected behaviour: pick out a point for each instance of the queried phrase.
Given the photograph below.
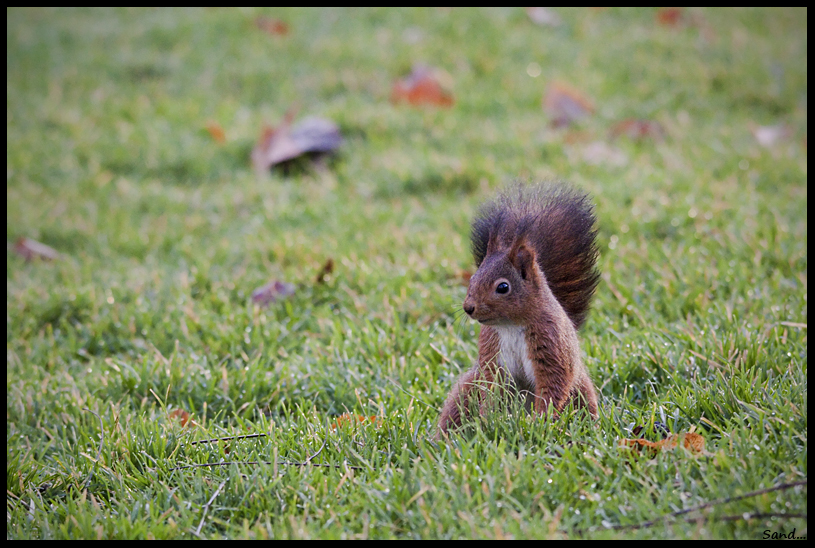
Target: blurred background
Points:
(251, 220)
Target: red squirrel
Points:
(535, 251)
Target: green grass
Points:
(699, 323)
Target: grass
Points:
(699, 323)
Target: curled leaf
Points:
(423, 86)
(272, 292)
(286, 142)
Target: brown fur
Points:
(530, 307)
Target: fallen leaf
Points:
(272, 26)
(768, 136)
(327, 269)
(638, 130)
(423, 86)
(182, 416)
(286, 142)
(565, 105)
(272, 292)
(544, 17)
(216, 132)
(31, 249)
(690, 441)
(669, 17)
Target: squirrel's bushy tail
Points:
(558, 221)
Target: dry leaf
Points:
(216, 132)
(768, 136)
(182, 416)
(348, 418)
(272, 26)
(639, 130)
(423, 86)
(669, 17)
(327, 269)
(286, 142)
(31, 249)
(690, 441)
(564, 104)
(272, 292)
(544, 16)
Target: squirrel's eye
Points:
(502, 288)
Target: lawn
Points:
(129, 140)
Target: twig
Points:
(725, 500)
(307, 462)
(227, 439)
(256, 462)
(206, 508)
(320, 450)
(748, 515)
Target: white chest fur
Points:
(514, 356)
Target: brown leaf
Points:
(286, 142)
(564, 104)
(272, 292)
(423, 86)
(690, 441)
(327, 269)
(216, 132)
(31, 249)
(638, 130)
(182, 416)
(669, 17)
(272, 26)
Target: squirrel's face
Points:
(505, 288)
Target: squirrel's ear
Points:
(522, 258)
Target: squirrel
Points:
(535, 252)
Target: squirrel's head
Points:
(506, 288)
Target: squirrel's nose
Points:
(469, 309)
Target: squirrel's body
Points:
(535, 251)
